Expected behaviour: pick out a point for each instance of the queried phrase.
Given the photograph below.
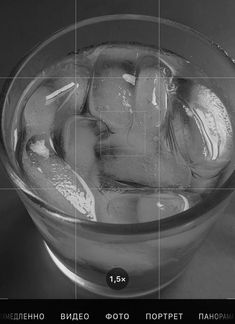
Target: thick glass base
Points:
(101, 290)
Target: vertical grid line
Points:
(75, 104)
(159, 163)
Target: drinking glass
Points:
(153, 254)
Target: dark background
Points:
(26, 270)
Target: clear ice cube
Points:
(56, 180)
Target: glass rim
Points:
(169, 223)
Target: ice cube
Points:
(213, 122)
(151, 95)
(125, 54)
(61, 94)
(56, 181)
(204, 135)
(111, 96)
(78, 144)
(158, 170)
(38, 116)
(123, 209)
(68, 83)
(162, 205)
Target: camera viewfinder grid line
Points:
(164, 188)
(113, 77)
(159, 162)
(75, 104)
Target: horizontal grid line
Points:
(113, 77)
